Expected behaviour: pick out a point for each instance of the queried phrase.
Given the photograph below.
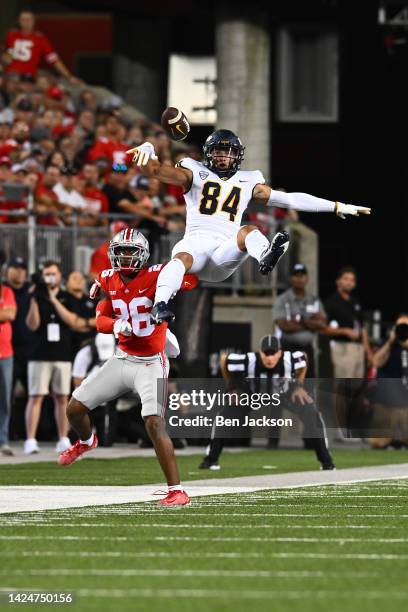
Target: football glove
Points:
(95, 290)
(121, 326)
(342, 210)
(142, 153)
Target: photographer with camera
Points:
(389, 399)
(52, 317)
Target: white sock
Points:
(89, 441)
(256, 243)
(175, 488)
(169, 280)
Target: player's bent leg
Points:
(258, 246)
(223, 260)
(168, 283)
(79, 420)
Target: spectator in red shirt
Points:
(8, 311)
(100, 260)
(110, 148)
(96, 200)
(25, 48)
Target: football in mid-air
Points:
(175, 124)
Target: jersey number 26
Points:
(141, 325)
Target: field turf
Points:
(337, 547)
(145, 470)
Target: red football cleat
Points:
(175, 498)
(75, 452)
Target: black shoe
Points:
(161, 313)
(274, 252)
(328, 466)
(207, 465)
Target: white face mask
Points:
(50, 279)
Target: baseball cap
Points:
(105, 345)
(299, 268)
(270, 344)
(25, 104)
(140, 182)
(55, 92)
(17, 262)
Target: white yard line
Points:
(241, 594)
(194, 573)
(29, 498)
(204, 555)
(149, 538)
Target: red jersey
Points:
(46, 219)
(108, 149)
(96, 202)
(133, 302)
(6, 331)
(27, 51)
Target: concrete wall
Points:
(243, 83)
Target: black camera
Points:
(41, 287)
(401, 332)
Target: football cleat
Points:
(76, 451)
(161, 313)
(328, 466)
(274, 252)
(175, 499)
(207, 465)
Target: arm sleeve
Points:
(299, 360)
(48, 51)
(8, 44)
(300, 201)
(104, 320)
(236, 363)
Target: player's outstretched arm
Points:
(145, 157)
(305, 202)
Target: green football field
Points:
(335, 547)
(145, 470)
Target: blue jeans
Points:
(6, 380)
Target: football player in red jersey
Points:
(139, 364)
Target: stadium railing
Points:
(72, 246)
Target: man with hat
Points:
(273, 370)
(299, 316)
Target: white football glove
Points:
(143, 153)
(342, 210)
(121, 326)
